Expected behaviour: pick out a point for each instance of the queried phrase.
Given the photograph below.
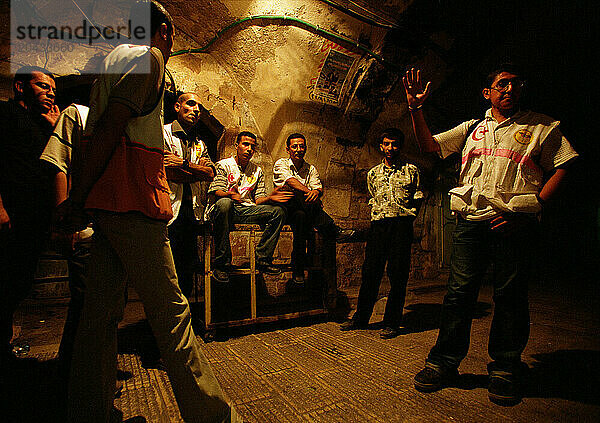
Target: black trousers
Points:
(389, 241)
(303, 217)
(183, 236)
(20, 249)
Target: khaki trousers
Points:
(135, 248)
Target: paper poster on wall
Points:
(333, 73)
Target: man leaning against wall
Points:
(26, 200)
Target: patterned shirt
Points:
(249, 182)
(393, 190)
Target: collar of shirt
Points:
(292, 166)
(395, 166)
(515, 116)
(181, 134)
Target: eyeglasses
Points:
(502, 85)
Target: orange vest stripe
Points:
(134, 180)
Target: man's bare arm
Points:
(553, 185)
(202, 171)
(4, 217)
(416, 95)
(61, 187)
(310, 196)
(278, 196)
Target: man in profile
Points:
(123, 184)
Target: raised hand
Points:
(416, 94)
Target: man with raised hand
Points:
(513, 162)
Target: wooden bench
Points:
(252, 233)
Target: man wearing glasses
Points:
(25, 190)
(513, 162)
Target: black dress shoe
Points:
(353, 324)
(503, 390)
(268, 269)
(389, 332)
(433, 379)
(345, 235)
(220, 275)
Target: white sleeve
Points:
(453, 140)
(281, 172)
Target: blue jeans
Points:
(512, 255)
(227, 212)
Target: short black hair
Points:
(181, 96)
(503, 67)
(392, 134)
(158, 15)
(294, 136)
(25, 74)
(244, 134)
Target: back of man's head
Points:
(158, 15)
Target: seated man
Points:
(239, 196)
(304, 210)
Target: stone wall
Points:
(262, 76)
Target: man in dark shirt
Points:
(26, 123)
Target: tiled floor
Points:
(309, 371)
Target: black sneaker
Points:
(269, 269)
(503, 390)
(220, 275)
(389, 332)
(353, 324)
(433, 379)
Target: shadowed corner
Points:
(422, 317)
(567, 374)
